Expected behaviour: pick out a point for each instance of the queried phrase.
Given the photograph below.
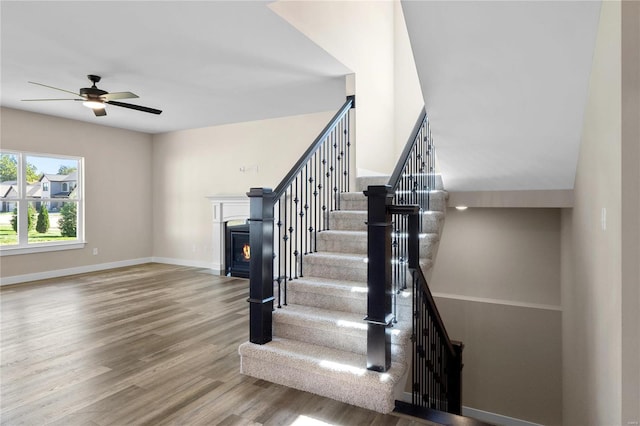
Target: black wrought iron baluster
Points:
(325, 192)
(348, 124)
(425, 350)
(279, 224)
(316, 204)
(335, 171)
(285, 237)
(294, 220)
(394, 266)
(306, 209)
(343, 166)
(292, 217)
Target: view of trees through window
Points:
(39, 198)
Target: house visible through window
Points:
(41, 202)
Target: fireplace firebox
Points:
(237, 250)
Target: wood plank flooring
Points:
(145, 345)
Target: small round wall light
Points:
(461, 208)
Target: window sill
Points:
(41, 248)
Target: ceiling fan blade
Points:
(136, 107)
(119, 95)
(54, 88)
(99, 112)
(49, 99)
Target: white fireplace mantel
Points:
(225, 209)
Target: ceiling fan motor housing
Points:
(92, 92)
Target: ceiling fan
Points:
(95, 98)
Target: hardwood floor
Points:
(151, 344)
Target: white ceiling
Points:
(203, 63)
(505, 85)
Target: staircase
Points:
(319, 340)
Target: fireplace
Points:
(237, 250)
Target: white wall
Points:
(190, 165)
(591, 279)
(408, 102)
(496, 282)
(117, 188)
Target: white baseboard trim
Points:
(485, 416)
(17, 279)
(499, 302)
(183, 262)
(497, 419)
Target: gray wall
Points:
(117, 220)
(497, 284)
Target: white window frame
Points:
(23, 246)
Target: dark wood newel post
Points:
(261, 202)
(455, 380)
(379, 313)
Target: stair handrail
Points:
(394, 228)
(283, 224)
(304, 158)
(394, 180)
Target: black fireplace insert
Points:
(237, 251)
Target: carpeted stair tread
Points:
(330, 283)
(328, 256)
(324, 371)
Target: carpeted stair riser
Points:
(354, 242)
(346, 296)
(362, 183)
(432, 222)
(429, 246)
(438, 200)
(336, 266)
(338, 330)
(353, 201)
(348, 220)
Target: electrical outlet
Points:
(95, 251)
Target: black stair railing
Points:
(284, 223)
(394, 232)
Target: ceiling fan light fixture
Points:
(94, 104)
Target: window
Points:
(41, 202)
